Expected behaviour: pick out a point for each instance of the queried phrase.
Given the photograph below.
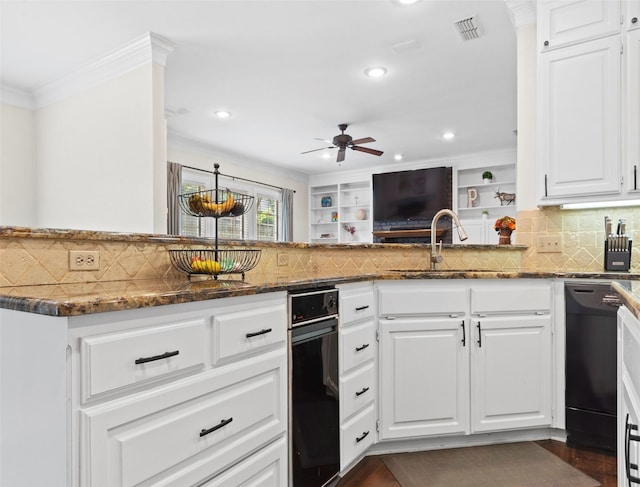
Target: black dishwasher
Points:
(591, 365)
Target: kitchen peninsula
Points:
(101, 420)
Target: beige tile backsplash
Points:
(28, 261)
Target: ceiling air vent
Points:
(468, 28)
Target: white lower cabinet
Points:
(511, 373)
(198, 395)
(358, 351)
(628, 398)
(461, 369)
(424, 377)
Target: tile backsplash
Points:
(43, 260)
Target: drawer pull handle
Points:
(360, 393)
(360, 308)
(629, 427)
(360, 349)
(364, 435)
(144, 360)
(261, 332)
(222, 424)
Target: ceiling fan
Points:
(344, 141)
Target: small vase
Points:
(504, 236)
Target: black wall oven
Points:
(314, 442)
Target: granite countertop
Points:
(86, 298)
(630, 293)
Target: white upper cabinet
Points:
(562, 22)
(631, 108)
(588, 101)
(579, 123)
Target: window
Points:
(262, 222)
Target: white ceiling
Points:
(291, 71)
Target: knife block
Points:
(617, 260)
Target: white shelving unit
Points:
(479, 215)
(346, 204)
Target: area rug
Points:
(509, 465)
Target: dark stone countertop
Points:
(86, 298)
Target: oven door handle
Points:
(314, 330)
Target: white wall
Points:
(17, 167)
(193, 154)
(95, 163)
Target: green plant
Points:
(487, 175)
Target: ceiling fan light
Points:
(375, 72)
(223, 114)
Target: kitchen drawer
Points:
(113, 360)
(422, 300)
(357, 390)
(193, 429)
(357, 345)
(521, 296)
(356, 436)
(356, 307)
(249, 331)
(267, 468)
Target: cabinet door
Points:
(632, 15)
(562, 22)
(579, 121)
(424, 377)
(632, 109)
(511, 372)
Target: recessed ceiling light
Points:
(398, 157)
(375, 72)
(407, 2)
(326, 156)
(223, 114)
(448, 135)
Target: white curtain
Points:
(287, 215)
(174, 188)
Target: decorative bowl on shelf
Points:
(214, 262)
(215, 203)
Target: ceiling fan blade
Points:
(365, 140)
(340, 155)
(314, 150)
(367, 150)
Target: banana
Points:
(220, 208)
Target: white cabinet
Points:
(464, 358)
(168, 395)
(562, 22)
(476, 198)
(588, 101)
(424, 359)
(358, 373)
(511, 357)
(341, 213)
(631, 109)
(579, 121)
(628, 396)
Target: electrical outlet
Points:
(283, 259)
(84, 260)
(549, 243)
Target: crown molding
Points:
(522, 12)
(148, 48)
(16, 97)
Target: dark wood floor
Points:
(372, 472)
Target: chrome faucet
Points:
(436, 255)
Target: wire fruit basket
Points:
(217, 203)
(214, 262)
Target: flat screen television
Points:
(411, 196)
